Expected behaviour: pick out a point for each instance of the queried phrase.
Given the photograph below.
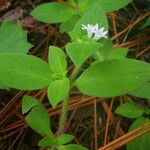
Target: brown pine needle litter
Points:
(91, 120)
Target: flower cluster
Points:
(94, 30)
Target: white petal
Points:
(89, 33)
(104, 33)
(95, 30)
(105, 36)
(101, 29)
(84, 27)
(96, 27)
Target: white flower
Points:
(94, 30)
(89, 29)
(100, 34)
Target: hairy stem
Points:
(63, 116)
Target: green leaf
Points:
(68, 25)
(13, 39)
(111, 5)
(113, 77)
(38, 118)
(24, 72)
(143, 92)
(147, 111)
(57, 61)
(71, 147)
(118, 53)
(65, 138)
(28, 103)
(142, 142)
(130, 110)
(53, 12)
(103, 53)
(89, 18)
(3, 86)
(58, 90)
(51, 141)
(107, 5)
(84, 5)
(48, 141)
(80, 52)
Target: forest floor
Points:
(91, 120)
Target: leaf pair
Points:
(67, 15)
(27, 72)
(58, 90)
(50, 141)
(68, 11)
(38, 119)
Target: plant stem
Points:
(64, 110)
(63, 116)
(73, 74)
